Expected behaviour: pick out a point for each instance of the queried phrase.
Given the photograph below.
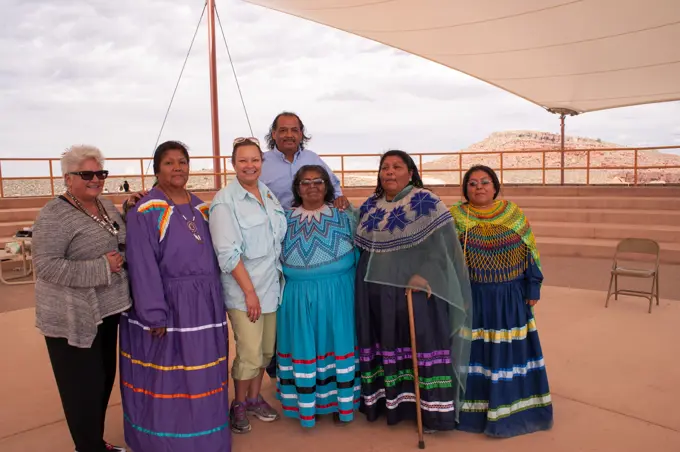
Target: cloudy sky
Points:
(102, 72)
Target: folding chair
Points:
(637, 246)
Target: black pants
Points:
(271, 368)
(85, 378)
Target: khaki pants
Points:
(255, 343)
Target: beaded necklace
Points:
(102, 220)
(467, 219)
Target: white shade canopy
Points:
(579, 55)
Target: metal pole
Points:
(217, 165)
(562, 116)
(563, 112)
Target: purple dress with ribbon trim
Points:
(174, 388)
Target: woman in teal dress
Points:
(316, 337)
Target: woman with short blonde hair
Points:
(81, 289)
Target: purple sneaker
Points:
(262, 410)
(239, 418)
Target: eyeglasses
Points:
(89, 175)
(241, 140)
(310, 182)
(474, 183)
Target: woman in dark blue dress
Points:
(507, 386)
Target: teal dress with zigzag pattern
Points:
(316, 339)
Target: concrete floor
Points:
(614, 386)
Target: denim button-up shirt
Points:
(278, 173)
(243, 229)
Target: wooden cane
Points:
(414, 356)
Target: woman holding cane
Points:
(408, 242)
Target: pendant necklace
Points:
(191, 224)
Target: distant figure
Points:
(126, 186)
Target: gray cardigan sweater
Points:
(75, 288)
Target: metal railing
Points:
(630, 166)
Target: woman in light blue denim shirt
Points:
(247, 224)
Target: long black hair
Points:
(271, 143)
(163, 149)
(492, 175)
(416, 181)
(330, 190)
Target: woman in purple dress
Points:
(173, 342)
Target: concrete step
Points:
(26, 214)
(574, 202)
(32, 202)
(660, 233)
(598, 202)
(23, 214)
(596, 248)
(8, 229)
(613, 216)
(40, 201)
(591, 190)
(508, 191)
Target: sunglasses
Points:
(89, 175)
(474, 183)
(310, 182)
(240, 140)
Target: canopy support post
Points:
(217, 164)
(563, 112)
